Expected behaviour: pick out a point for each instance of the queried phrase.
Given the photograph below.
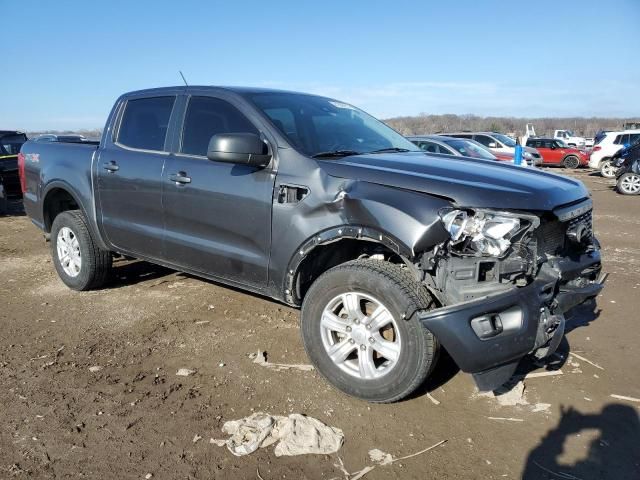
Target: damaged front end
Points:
(505, 280)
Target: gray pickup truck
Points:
(390, 252)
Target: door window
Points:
(621, 139)
(209, 116)
(429, 147)
(145, 123)
(485, 140)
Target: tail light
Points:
(23, 179)
(596, 148)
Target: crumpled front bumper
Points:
(489, 336)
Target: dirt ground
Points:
(133, 416)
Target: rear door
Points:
(129, 172)
(217, 215)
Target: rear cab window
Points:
(145, 123)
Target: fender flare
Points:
(334, 234)
(63, 185)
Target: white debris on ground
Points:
(295, 435)
(380, 457)
(541, 407)
(624, 397)
(507, 396)
(260, 358)
(507, 419)
(95, 368)
(545, 373)
(185, 372)
(580, 357)
(513, 395)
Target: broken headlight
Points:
(480, 232)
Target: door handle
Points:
(180, 178)
(111, 166)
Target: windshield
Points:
(468, 149)
(10, 144)
(317, 125)
(561, 144)
(508, 141)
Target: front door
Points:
(217, 215)
(129, 172)
(554, 152)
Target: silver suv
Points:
(497, 142)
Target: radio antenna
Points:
(183, 79)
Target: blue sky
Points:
(67, 61)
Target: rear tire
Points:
(80, 263)
(629, 184)
(380, 358)
(571, 161)
(607, 170)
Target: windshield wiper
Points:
(391, 149)
(335, 154)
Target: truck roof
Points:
(213, 88)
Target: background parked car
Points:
(603, 151)
(10, 143)
(499, 143)
(49, 137)
(570, 138)
(557, 152)
(458, 147)
(628, 171)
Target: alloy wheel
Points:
(630, 184)
(68, 249)
(360, 335)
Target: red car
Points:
(556, 152)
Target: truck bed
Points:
(48, 165)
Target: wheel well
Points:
(57, 201)
(324, 257)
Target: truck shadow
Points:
(613, 452)
(127, 272)
(14, 208)
(582, 315)
(444, 370)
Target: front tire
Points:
(571, 161)
(607, 170)
(360, 330)
(629, 184)
(80, 263)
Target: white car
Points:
(600, 157)
(568, 137)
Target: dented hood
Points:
(467, 182)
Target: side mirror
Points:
(553, 146)
(240, 148)
(493, 145)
